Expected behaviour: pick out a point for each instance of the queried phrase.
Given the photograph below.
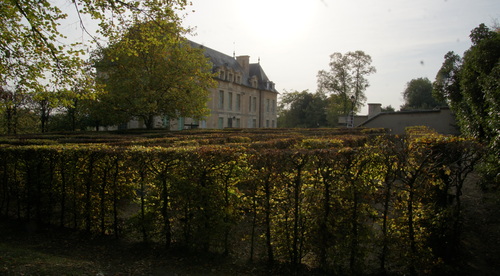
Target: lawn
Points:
(29, 250)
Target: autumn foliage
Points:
(345, 201)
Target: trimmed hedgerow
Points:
(345, 201)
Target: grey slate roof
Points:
(219, 59)
(399, 113)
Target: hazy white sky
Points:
(294, 39)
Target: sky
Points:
(293, 39)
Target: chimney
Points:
(244, 62)
(374, 109)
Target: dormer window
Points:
(253, 82)
(230, 78)
(222, 75)
(238, 79)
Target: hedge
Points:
(348, 203)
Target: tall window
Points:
(268, 103)
(273, 107)
(221, 123)
(230, 100)
(249, 103)
(254, 104)
(221, 99)
(238, 102)
(180, 126)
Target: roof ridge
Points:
(219, 59)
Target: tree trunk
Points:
(411, 230)
(88, 196)
(296, 209)
(254, 222)
(10, 115)
(103, 201)
(44, 115)
(385, 239)
(324, 224)
(143, 207)
(226, 216)
(164, 211)
(353, 261)
(267, 211)
(5, 186)
(63, 195)
(72, 114)
(115, 198)
(149, 121)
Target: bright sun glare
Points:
(276, 19)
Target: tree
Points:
(334, 109)
(446, 87)
(100, 112)
(44, 103)
(388, 108)
(347, 78)
(31, 39)
(10, 103)
(472, 88)
(34, 53)
(418, 95)
(30, 46)
(164, 76)
(470, 84)
(479, 83)
(302, 109)
(73, 100)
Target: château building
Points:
(244, 97)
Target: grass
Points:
(29, 250)
(27, 261)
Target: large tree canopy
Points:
(32, 44)
(163, 76)
(39, 65)
(418, 95)
(302, 109)
(471, 86)
(347, 78)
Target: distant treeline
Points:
(345, 201)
